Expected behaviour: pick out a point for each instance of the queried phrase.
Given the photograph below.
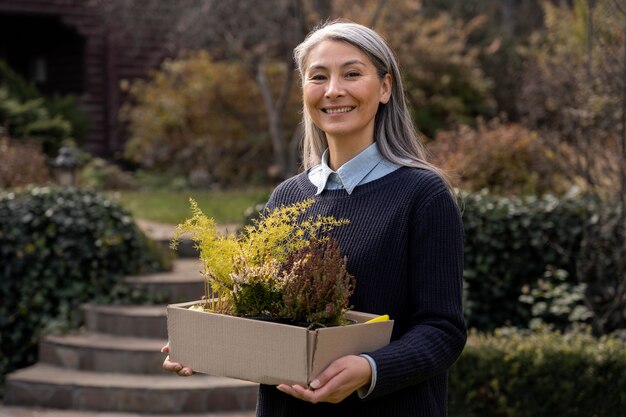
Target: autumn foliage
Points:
(503, 158)
(199, 118)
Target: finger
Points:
(298, 392)
(166, 348)
(171, 366)
(329, 373)
(185, 372)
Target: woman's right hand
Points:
(168, 365)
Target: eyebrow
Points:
(345, 64)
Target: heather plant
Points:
(268, 270)
(317, 286)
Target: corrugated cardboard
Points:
(265, 352)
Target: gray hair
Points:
(394, 131)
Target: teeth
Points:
(339, 110)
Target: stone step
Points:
(133, 321)
(162, 234)
(10, 411)
(49, 386)
(183, 283)
(103, 353)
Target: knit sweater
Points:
(404, 244)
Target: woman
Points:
(404, 242)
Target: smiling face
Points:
(342, 92)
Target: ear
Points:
(385, 88)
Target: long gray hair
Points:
(394, 132)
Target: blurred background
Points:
(140, 104)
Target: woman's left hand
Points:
(335, 383)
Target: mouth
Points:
(337, 110)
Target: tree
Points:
(443, 79)
(198, 118)
(259, 35)
(573, 92)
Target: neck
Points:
(340, 152)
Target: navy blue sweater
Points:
(404, 245)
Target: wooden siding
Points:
(105, 62)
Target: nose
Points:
(334, 87)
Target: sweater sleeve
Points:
(436, 334)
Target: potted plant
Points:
(276, 300)
(284, 266)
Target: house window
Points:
(39, 69)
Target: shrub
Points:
(200, 118)
(26, 113)
(503, 158)
(30, 119)
(571, 90)
(17, 85)
(60, 248)
(556, 302)
(99, 174)
(441, 70)
(516, 373)
(512, 242)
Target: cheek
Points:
(311, 93)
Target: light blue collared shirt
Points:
(367, 166)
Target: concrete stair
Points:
(114, 365)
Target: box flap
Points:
(335, 342)
(224, 345)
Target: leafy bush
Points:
(31, 119)
(17, 85)
(68, 108)
(516, 373)
(200, 118)
(571, 90)
(60, 248)
(503, 158)
(99, 174)
(511, 242)
(441, 71)
(26, 113)
(556, 302)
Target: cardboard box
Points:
(262, 351)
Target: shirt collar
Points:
(352, 172)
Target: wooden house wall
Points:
(107, 61)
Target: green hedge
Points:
(58, 249)
(512, 242)
(517, 373)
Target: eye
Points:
(353, 74)
(317, 77)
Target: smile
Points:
(338, 110)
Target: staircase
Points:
(113, 367)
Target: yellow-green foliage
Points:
(216, 252)
(242, 273)
(285, 231)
